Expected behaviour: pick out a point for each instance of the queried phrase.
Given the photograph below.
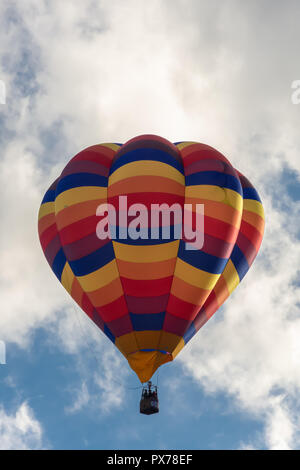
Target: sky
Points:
(80, 73)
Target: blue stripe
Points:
(93, 261)
(146, 233)
(49, 196)
(59, 263)
(251, 193)
(239, 261)
(146, 154)
(201, 260)
(109, 333)
(80, 179)
(189, 333)
(159, 350)
(147, 321)
(214, 178)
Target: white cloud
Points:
(20, 430)
(111, 381)
(102, 370)
(81, 400)
(179, 69)
(280, 428)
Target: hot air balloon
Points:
(149, 294)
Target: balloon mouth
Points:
(146, 362)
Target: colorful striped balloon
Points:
(150, 295)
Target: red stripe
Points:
(52, 249)
(253, 235)
(200, 320)
(86, 305)
(219, 229)
(113, 310)
(181, 308)
(78, 230)
(142, 305)
(48, 235)
(155, 138)
(120, 326)
(175, 325)
(83, 247)
(85, 166)
(211, 305)
(209, 165)
(196, 152)
(147, 288)
(96, 153)
(214, 246)
(97, 319)
(247, 248)
(76, 291)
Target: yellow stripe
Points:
(231, 276)
(194, 276)
(182, 145)
(170, 342)
(216, 193)
(111, 146)
(45, 209)
(203, 191)
(254, 206)
(81, 194)
(67, 277)
(99, 278)
(147, 339)
(234, 199)
(178, 348)
(146, 253)
(127, 343)
(145, 168)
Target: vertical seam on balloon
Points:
(133, 330)
(221, 276)
(167, 303)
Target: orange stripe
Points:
(189, 293)
(77, 291)
(107, 294)
(254, 219)
(217, 210)
(77, 212)
(146, 271)
(142, 184)
(221, 290)
(45, 222)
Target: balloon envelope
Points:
(148, 292)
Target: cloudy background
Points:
(81, 73)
